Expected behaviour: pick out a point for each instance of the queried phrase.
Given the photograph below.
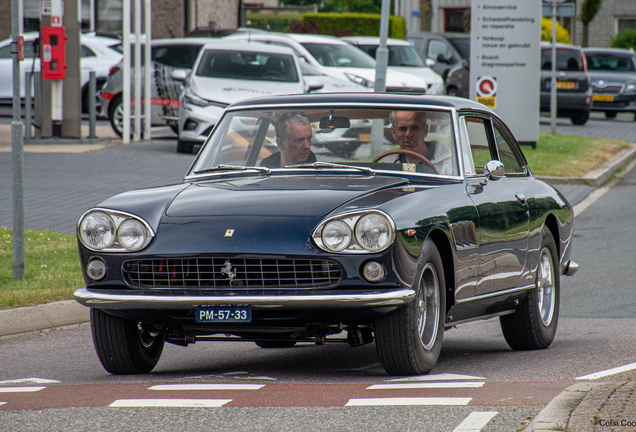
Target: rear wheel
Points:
(116, 115)
(124, 346)
(533, 326)
(409, 340)
(580, 118)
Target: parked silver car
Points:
(227, 72)
(167, 55)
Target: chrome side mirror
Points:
(494, 170)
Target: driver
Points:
(293, 137)
(409, 128)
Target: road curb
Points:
(556, 415)
(41, 317)
(600, 175)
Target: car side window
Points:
(474, 133)
(176, 56)
(29, 50)
(283, 44)
(86, 52)
(510, 159)
(437, 47)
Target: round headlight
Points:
(97, 230)
(96, 269)
(336, 235)
(373, 232)
(132, 234)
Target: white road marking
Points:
(207, 387)
(608, 372)
(439, 377)
(206, 403)
(20, 389)
(30, 380)
(475, 421)
(422, 385)
(446, 401)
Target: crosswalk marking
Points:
(422, 385)
(30, 380)
(437, 377)
(20, 389)
(205, 403)
(409, 401)
(207, 387)
(475, 421)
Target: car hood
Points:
(305, 196)
(612, 77)
(393, 78)
(428, 74)
(228, 91)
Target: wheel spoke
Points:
(428, 307)
(545, 287)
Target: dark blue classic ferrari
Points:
(351, 217)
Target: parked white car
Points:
(337, 58)
(96, 55)
(227, 72)
(402, 58)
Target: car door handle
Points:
(521, 197)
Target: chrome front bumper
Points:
(316, 301)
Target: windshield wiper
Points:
(332, 165)
(233, 168)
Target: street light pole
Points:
(17, 150)
(553, 89)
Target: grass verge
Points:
(52, 263)
(52, 269)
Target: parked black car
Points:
(613, 75)
(353, 241)
(574, 89)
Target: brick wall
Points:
(604, 25)
(222, 13)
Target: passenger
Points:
(409, 128)
(293, 137)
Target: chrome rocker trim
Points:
(130, 301)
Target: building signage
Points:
(505, 59)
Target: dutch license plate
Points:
(365, 137)
(565, 84)
(603, 98)
(216, 315)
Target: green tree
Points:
(589, 9)
(625, 39)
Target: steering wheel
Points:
(410, 153)
(273, 74)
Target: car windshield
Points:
(567, 59)
(399, 55)
(339, 55)
(320, 137)
(247, 65)
(610, 62)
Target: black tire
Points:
(275, 344)
(580, 118)
(116, 115)
(400, 336)
(452, 91)
(533, 326)
(610, 114)
(126, 347)
(185, 147)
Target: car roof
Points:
(610, 51)
(367, 99)
(184, 41)
(313, 38)
(233, 45)
(559, 45)
(373, 40)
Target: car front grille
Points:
(612, 88)
(242, 273)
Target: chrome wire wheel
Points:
(546, 291)
(428, 307)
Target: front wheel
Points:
(409, 340)
(533, 326)
(580, 118)
(124, 346)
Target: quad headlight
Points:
(359, 232)
(111, 231)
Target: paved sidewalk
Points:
(584, 407)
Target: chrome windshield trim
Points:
(135, 301)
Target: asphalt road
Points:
(307, 387)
